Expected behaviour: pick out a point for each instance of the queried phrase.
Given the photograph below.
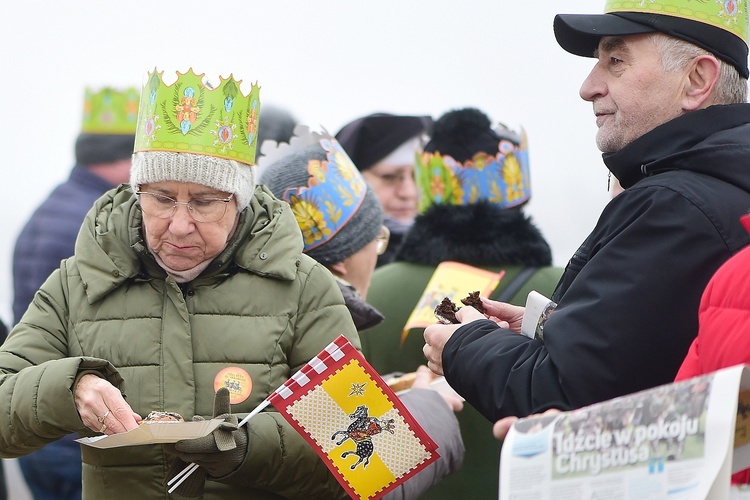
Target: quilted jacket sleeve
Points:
(37, 376)
(322, 315)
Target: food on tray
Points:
(163, 416)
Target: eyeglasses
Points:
(201, 209)
(392, 179)
(383, 236)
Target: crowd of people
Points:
(180, 255)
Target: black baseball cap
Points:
(725, 36)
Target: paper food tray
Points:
(154, 433)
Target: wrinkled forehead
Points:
(630, 46)
(174, 188)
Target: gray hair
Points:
(676, 54)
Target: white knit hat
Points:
(218, 173)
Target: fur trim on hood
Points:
(479, 235)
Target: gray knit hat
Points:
(219, 173)
(312, 179)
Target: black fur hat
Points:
(463, 133)
(482, 234)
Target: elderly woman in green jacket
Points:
(192, 280)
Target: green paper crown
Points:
(110, 111)
(190, 116)
(730, 15)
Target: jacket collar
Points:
(364, 315)
(110, 249)
(685, 142)
(267, 242)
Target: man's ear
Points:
(700, 82)
(339, 269)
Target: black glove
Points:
(218, 454)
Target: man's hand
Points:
(505, 315)
(102, 407)
(501, 428)
(436, 336)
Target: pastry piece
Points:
(163, 416)
(474, 301)
(445, 312)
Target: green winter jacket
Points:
(261, 306)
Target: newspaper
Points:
(680, 440)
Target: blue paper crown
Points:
(333, 194)
(502, 179)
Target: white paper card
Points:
(538, 309)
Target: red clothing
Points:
(724, 325)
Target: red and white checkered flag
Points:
(354, 421)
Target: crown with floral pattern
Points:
(110, 111)
(502, 179)
(191, 116)
(730, 15)
(332, 194)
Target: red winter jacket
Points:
(724, 325)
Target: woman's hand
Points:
(423, 380)
(102, 407)
(502, 426)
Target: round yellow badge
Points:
(238, 382)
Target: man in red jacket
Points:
(724, 322)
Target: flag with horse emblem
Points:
(354, 421)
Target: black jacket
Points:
(628, 300)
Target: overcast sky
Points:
(327, 61)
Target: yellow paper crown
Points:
(110, 111)
(190, 116)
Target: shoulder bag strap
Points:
(514, 286)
